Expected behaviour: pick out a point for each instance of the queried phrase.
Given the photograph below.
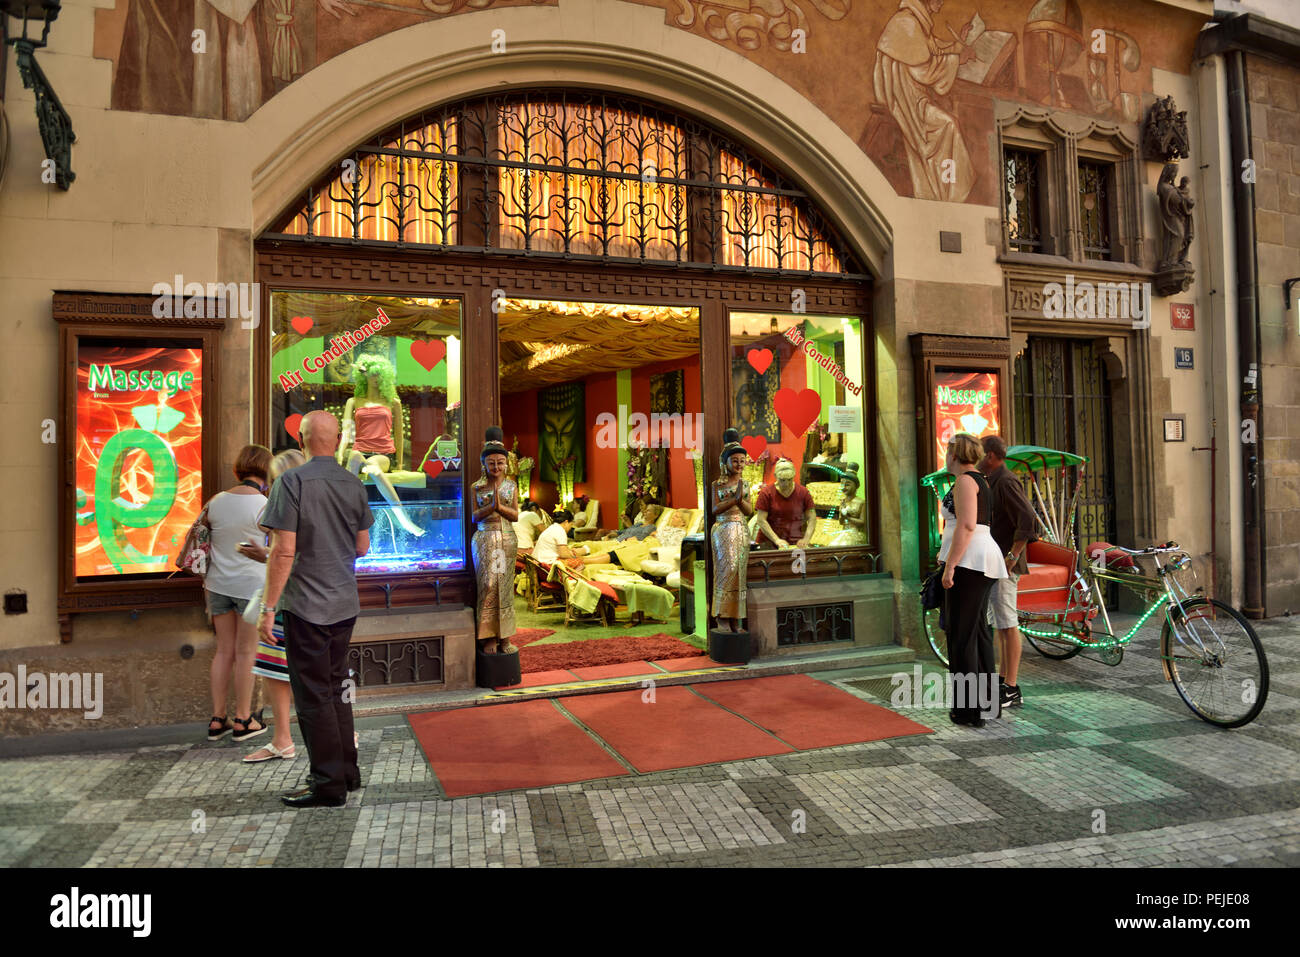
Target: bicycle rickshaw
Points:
(1207, 649)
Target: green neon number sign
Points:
(113, 514)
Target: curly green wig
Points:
(367, 365)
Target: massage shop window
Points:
(798, 393)
(389, 369)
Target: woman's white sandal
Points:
(272, 752)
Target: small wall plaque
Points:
(1183, 359)
(1182, 315)
(949, 242)
(1175, 430)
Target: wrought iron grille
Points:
(1094, 209)
(1062, 398)
(401, 662)
(584, 176)
(1024, 213)
(806, 624)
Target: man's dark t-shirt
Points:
(325, 505)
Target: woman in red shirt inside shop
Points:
(786, 514)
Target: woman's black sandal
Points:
(221, 732)
(242, 733)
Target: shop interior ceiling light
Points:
(53, 120)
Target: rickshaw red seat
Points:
(1046, 586)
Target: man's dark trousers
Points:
(318, 668)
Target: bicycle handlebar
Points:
(1150, 549)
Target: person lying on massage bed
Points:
(553, 545)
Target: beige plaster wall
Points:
(1274, 91)
(1182, 479)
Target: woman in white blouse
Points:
(972, 563)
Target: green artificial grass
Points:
(554, 619)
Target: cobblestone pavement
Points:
(1101, 767)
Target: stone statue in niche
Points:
(1165, 132)
(1173, 272)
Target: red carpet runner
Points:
(808, 713)
(529, 744)
(680, 730)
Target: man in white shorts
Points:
(1013, 525)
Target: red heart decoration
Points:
(291, 424)
(797, 410)
(428, 354)
(433, 467)
(754, 445)
(302, 324)
(760, 359)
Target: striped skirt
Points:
(270, 661)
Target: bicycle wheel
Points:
(934, 634)
(1216, 661)
(1049, 640)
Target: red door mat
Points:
(808, 713)
(529, 744)
(678, 730)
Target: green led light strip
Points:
(1113, 640)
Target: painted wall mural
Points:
(913, 82)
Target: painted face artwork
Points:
(562, 442)
(495, 464)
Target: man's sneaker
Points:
(1010, 696)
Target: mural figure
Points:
(252, 48)
(913, 67)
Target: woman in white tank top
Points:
(232, 580)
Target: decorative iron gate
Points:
(1062, 401)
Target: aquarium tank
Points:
(394, 547)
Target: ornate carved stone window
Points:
(1023, 182)
(1095, 197)
(1086, 195)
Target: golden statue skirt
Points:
(730, 563)
(494, 547)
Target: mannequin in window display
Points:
(494, 547)
(730, 536)
(852, 511)
(371, 443)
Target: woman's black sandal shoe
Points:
(220, 733)
(242, 733)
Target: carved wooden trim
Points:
(134, 309)
(402, 273)
(962, 347)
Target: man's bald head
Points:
(320, 433)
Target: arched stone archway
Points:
(298, 134)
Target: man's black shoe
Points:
(975, 722)
(354, 786)
(1010, 696)
(307, 797)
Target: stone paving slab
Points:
(1023, 791)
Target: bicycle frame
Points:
(1162, 591)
